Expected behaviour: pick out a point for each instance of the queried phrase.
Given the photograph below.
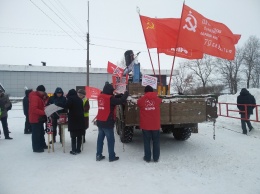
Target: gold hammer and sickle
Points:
(150, 25)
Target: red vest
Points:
(149, 106)
(103, 107)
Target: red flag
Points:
(91, 92)
(113, 69)
(205, 35)
(162, 33)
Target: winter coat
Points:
(114, 100)
(4, 104)
(36, 107)
(149, 106)
(246, 98)
(58, 101)
(74, 105)
(26, 103)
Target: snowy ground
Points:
(230, 164)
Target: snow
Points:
(229, 164)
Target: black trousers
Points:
(38, 141)
(245, 122)
(5, 126)
(27, 125)
(76, 140)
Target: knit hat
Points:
(40, 88)
(148, 89)
(81, 91)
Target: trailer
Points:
(180, 114)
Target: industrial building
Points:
(15, 78)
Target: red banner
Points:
(205, 35)
(197, 35)
(113, 69)
(162, 33)
(91, 92)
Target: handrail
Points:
(229, 109)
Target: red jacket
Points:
(36, 107)
(149, 106)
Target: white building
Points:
(15, 78)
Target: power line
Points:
(64, 16)
(71, 16)
(60, 18)
(36, 34)
(24, 47)
(56, 23)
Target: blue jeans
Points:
(154, 136)
(244, 122)
(38, 141)
(109, 134)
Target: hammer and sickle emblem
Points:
(191, 26)
(150, 25)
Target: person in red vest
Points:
(150, 123)
(106, 120)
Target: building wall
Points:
(15, 78)
(14, 82)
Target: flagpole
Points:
(160, 76)
(138, 11)
(88, 49)
(175, 49)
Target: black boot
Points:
(73, 144)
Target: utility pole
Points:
(88, 49)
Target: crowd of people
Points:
(76, 106)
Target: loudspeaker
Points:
(129, 57)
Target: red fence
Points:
(227, 110)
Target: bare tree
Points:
(230, 70)
(183, 81)
(251, 56)
(202, 69)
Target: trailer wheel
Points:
(126, 134)
(182, 133)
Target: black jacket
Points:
(114, 100)
(58, 101)
(74, 105)
(246, 98)
(26, 103)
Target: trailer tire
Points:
(126, 134)
(182, 134)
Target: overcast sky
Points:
(54, 31)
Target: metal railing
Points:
(226, 110)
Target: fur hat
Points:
(81, 91)
(148, 89)
(40, 88)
